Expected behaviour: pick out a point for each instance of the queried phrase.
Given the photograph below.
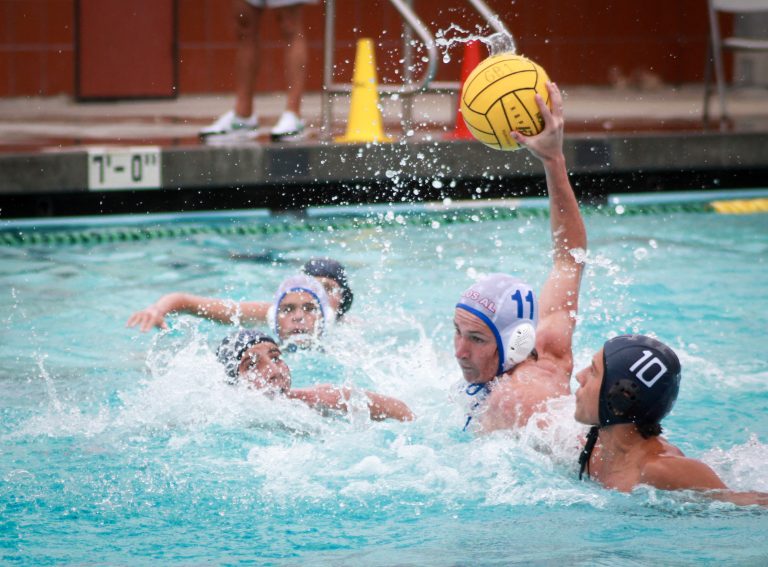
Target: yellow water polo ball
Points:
(498, 98)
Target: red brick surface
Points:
(578, 43)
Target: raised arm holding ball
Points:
(515, 351)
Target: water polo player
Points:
(301, 311)
(514, 350)
(630, 386)
(255, 358)
(330, 273)
(334, 278)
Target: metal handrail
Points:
(414, 22)
(493, 19)
(329, 87)
(426, 84)
(495, 22)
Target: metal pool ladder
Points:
(409, 87)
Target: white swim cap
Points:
(306, 284)
(508, 307)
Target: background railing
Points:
(410, 86)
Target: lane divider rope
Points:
(103, 235)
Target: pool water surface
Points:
(121, 447)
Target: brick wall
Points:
(584, 42)
(36, 47)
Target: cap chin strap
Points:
(272, 320)
(586, 453)
(478, 391)
(520, 341)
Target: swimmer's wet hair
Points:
(233, 347)
(648, 430)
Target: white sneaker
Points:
(288, 126)
(230, 122)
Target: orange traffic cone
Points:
(364, 123)
(471, 60)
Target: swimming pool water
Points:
(124, 448)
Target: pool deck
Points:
(617, 140)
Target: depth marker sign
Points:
(124, 168)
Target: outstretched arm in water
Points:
(221, 310)
(683, 473)
(332, 397)
(559, 299)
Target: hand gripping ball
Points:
(498, 98)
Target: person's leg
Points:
(247, 18)
(291, 21)
(242, 118)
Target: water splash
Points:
(499, 43)
(168, 443)
(742, 466)
(456, 36)
(50, 387)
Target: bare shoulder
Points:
(318, 393)
(520, 394)
(671, 470)
(541, 379)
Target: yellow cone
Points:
(364, 123)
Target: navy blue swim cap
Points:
(233, 347)
(640, 382)
(328, 268)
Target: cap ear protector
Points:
(621, 398)
(520, 341)
(272, 319)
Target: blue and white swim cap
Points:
(306, 284)
(508, 306)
